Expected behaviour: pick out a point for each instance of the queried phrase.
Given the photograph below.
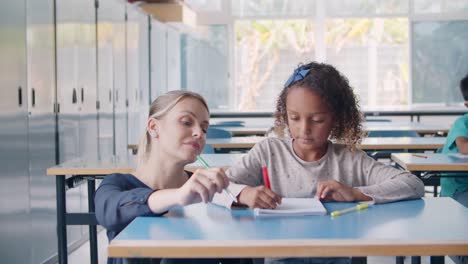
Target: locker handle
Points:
(82, 94)
(110, 96)
(33, 102)
(20, 96)
(74, 99)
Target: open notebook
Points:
(294, 207)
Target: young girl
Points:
(317, 105)
(175, 135)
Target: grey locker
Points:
(120, 83)
(41, 130)
(158, 60)
(76, 93)
(15, 221)
(173, 59)
(137, 72)
(109, 13)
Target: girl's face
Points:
(182, 131)
(309, 119)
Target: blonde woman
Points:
(174, 136)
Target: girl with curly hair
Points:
(321, 115)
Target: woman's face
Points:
(309, 119)
(182, 131)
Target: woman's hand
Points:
(335, 191)
(202, 185)
(259, 197)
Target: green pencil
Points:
(205, 164)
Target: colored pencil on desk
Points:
(420, 156)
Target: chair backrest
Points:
(217, 133)
(393, 133)
(208, 149)
(378, 120)
(236, 123)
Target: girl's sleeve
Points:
(116, 206)
(246, 172)
(385, 183)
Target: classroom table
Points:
(430, 166)
(431, 162)
(206, 230)
(71, 174)
(374, 143)
(403, 110)
(420, 128)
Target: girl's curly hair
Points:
(334, 88)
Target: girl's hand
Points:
(335, 191)
(259, 197)
(202, 185)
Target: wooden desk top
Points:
(432, 162)
(382, 143)
(127, 164)
(406, 126)
(413, 143)
(416, 227)
(375, 143)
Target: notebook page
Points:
(294, 207)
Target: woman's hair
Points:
(334, 89)
(158, 109)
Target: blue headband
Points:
(298, 74)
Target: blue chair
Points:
(393, 133)
(234, 123)
(378, 120)
(214, 132)
(208, 149)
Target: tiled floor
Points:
(81, 255)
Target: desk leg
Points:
(61, 219)
(437, 259)
(416, 260)
(92, 227)
(400, 260)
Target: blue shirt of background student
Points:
(453, 185)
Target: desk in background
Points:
(429, 166)
(71, 174)
(376, 143)
(200, 231)
(431, 162)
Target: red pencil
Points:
(266, 178)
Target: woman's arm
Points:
(462, 145)
(116, 206)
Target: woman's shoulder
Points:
(119, 177)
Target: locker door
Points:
(144, 74)
(67, 96)
(173, 59)
(120, 85)
(15, 224)
(86, 81)
(41, 92)
(105, 70)
(133, 69)
(158, 59)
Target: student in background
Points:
(457, 142)
(174, 136)
(317, 105)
